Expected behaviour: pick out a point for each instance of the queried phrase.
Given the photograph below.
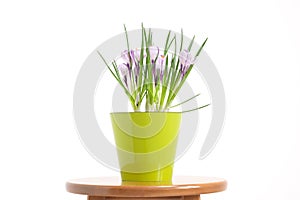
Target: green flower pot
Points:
(146, 144)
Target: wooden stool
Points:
(112, 188)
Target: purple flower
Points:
(135, 63)
(123, 68)
(154, 52)
(186, 60)
(137, 54)
(125, 56)
(186, 57)
(158, 69)
(126, 62)
(160, 65)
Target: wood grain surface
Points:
(185, 187)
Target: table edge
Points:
(148, 191)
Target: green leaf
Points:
(149, 37)
(166, 74)
(170, 43)
(191, 44)
(167, 43)
(127, 41)
(180, 85)
(165, 84)
(116, 69)
(175, 45)
(142, 48)
(195, 108)
(145, 37)
(181, 40)
(185, 101)
(200, 49)
(107, 66)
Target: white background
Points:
(255, 45)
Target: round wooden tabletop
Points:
(114, 187)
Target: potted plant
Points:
(151, 77)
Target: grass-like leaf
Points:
(200, 49)
(191, 44)
(167, 43)
(181, 40)
(195, 108)
(127, 41)
(185, 101)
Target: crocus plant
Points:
(153, 76)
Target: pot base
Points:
(160, 175)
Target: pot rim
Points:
(154, 112)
